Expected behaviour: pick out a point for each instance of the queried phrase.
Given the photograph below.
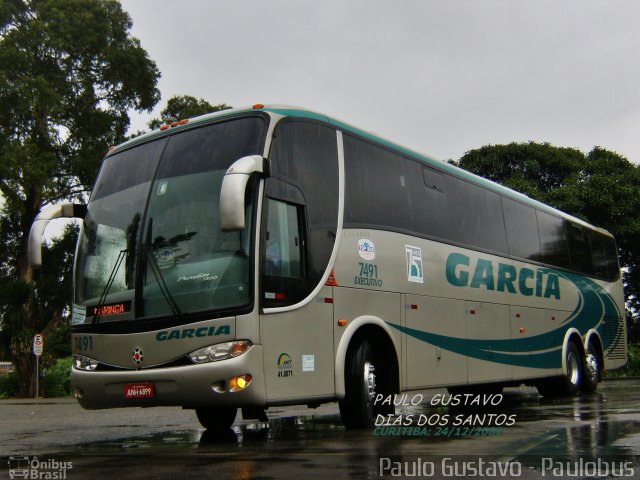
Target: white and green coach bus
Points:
(275, 256)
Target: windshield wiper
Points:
(162, 286)
(132, 230)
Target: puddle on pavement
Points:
(591, 425)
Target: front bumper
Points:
(187, 386)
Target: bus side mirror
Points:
(234, 185)
(64, 210)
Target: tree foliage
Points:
(600, 187)
(184, 106)
(69, 73)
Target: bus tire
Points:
(592, 369)
(357, 408)
(216, 419)
(570, 383)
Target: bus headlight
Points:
(80, 362)
(220, 351)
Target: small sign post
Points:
(38, 348)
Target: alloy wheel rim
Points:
(573, 369)
(592, 366)
(370, 381)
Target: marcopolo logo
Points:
(180, 333)
(462, 271)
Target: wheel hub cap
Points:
(573, 369)
(370, 381)
(592, 366)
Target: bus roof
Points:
(297, 112)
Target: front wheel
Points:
(216, 419)
(357, 408)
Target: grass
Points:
(57, 381)
(632, 368)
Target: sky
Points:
(439, 76)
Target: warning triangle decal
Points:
(331, 281)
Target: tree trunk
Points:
(25, 359)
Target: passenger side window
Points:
(579, 248)
(552, 240)
(522, 230)
(482, 220)
(304, 175)
(283, 255)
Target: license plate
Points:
(138, 390)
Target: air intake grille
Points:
(614, 338)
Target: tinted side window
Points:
(579, 248)
(304, 169)
(522, 229)
(376, 187)
(604, 256)
(433, 179)
(611, 252)
(482, 220)
(552, 240)
(434, 203)
(283, 256)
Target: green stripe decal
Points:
(544, 350)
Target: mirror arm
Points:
(233, 190)
(64, 210)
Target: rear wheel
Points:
(592, 369)
(363, 381)
(569, 384)
(216, 419)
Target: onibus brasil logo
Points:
(32, 467)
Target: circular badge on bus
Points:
(137, 356)
(165, 258)
(366, 249)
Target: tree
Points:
(600, 187)
(184, 106)
(47, 297)
(69, 73)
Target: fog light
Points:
(239, 383)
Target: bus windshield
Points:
(151, 244)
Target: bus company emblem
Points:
(137, 357)
(366, 249)
(462, 271)
(414, 264)
(181, 333)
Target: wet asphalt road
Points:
(592, 436)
